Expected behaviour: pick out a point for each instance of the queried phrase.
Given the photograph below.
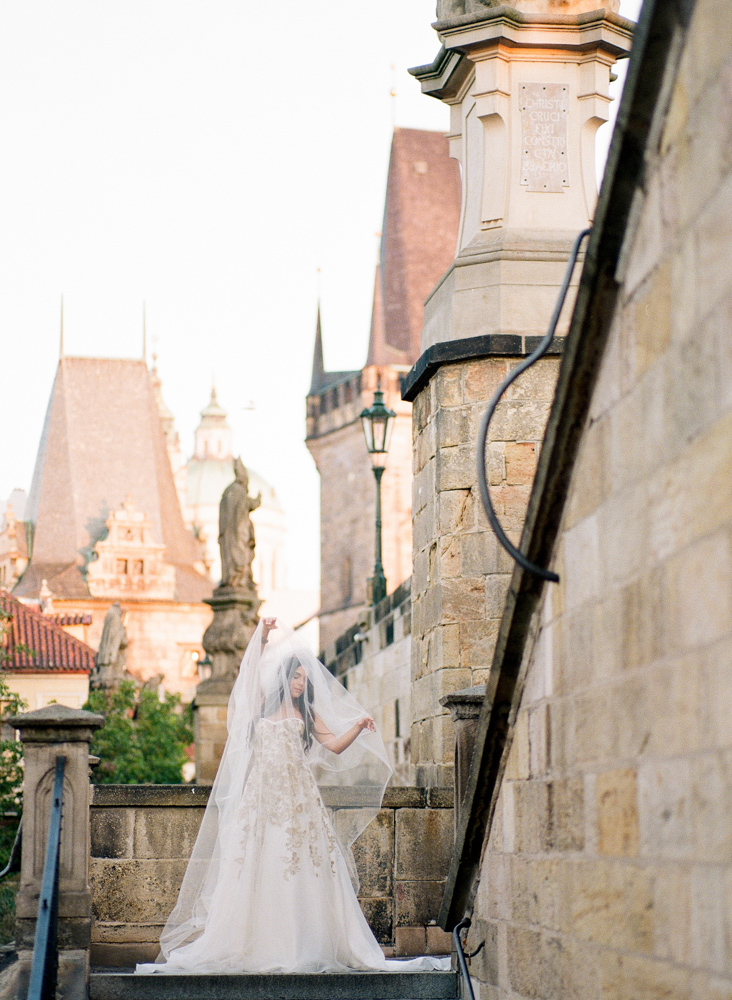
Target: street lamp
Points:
(378, 422)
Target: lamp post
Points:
(378, 422)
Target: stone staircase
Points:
(331, 986)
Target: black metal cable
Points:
(540, 351)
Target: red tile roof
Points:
(52, 648)
(64, 619)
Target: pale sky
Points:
(207, 158)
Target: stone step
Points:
(326, 986)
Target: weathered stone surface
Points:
(112, 833)
(423, 843)
(374, 855)
(135, 891)
(380, 915)
(129, 796)
(165, 833)
(617, 806)
(417, 902)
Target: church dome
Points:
(207, 479)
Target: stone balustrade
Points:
(142, 837)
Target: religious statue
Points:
(236, 531)
(109, 667)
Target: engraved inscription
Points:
(544, 109)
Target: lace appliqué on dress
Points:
(282, 792)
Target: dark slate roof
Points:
(320, 380)
(418, 241)
(53, 650)
(102, 441)
(661, 22)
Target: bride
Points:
(271, 884)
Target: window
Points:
(121, 567)
(347, 579)
(138, 567)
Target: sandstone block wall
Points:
(142, 837)
(608, 871)
(460, 571)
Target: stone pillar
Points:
(464, 708)
(226, 638)
(527, 88)
(47, 733)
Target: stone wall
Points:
(461, 572)
(142, 837)
(608, 870)
(372, 659)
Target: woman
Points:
(271, 884)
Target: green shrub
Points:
(143, 740)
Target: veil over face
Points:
(280, 679)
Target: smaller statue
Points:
(109, 668)
(236, 531)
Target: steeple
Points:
(61, 337)
(316, 380)
(214, 437)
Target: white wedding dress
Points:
(270, 885)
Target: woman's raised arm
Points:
(337, 744)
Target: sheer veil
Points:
(352, 781)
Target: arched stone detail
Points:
(42, 807)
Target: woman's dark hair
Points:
(303, 704)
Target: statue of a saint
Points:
(109, 667)
(236, 531)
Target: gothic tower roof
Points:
(320, 378)
(102, 443)
(418, 241)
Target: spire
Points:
(144, 334)
(318, 369)
(61, 338)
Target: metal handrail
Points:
(541, 350)
(462, 964)
(44, 970)
(13, 864)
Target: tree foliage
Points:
(143, 740)
(11, 788)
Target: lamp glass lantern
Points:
(378, 423)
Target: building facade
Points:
(104, 521)
(417, 244)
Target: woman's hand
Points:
(267, 625)
(366, 723)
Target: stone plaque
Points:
(544, 109)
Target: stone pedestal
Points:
(47, 733)
(226, 638)
(464, 707)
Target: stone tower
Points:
(417, 244)
(527, 86)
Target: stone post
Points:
(226, 638)
(47, 733)
(464, 708)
